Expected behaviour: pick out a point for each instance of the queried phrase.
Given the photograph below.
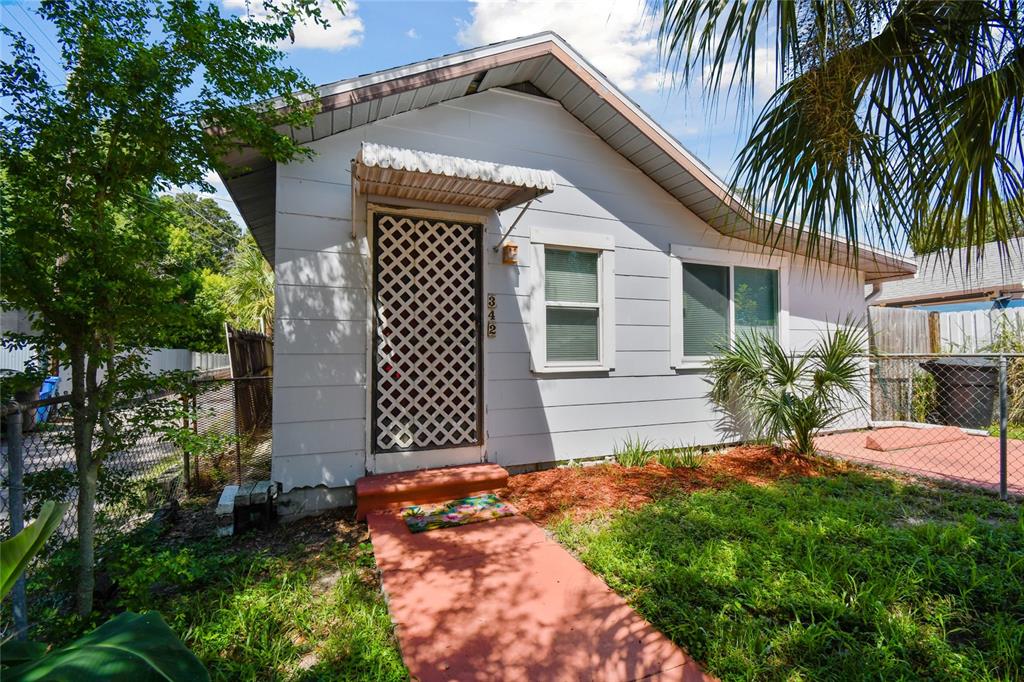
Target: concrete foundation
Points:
(298, 503)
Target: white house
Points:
(408, 336)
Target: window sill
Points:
(571, 369)
(692, 363)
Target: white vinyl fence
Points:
(160, 360)
(15, 360)
(971, 331)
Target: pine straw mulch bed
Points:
(579, 492)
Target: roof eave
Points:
(361, 89)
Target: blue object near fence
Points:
(48, 390)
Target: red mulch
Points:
(580, 491)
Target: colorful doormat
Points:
(424, 517)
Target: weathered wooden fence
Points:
(910, 330)
(252, 357)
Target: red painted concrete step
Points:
(387, 491)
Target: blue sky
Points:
(617, 36)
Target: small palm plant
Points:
(250, 290)
(786, 399)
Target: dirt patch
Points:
(581, 491)
(196, 520)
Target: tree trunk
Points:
(83, 383)
(88, 476)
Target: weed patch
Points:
(299, 602)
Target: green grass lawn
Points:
(299, 602)
(1013, 431)
(842, 577)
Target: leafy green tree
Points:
(921, 244)
(884, 112)
(212, 230)
(155, 94)
(203, 241)
(250, 288)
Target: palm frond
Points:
(894, 118)
(250, 288)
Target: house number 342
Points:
(492, 326)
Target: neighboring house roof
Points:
(959, 275)
(546, 65)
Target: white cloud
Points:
(345, 30)
(656, 81)
(412, 33)
(616, 36)
(764, 74)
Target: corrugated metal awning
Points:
(424, 176)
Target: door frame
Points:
(410, 460)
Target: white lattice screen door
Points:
(426, 354)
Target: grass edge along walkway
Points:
(840, 577)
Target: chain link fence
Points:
(957, 418)
(215, 432)
(224, 437)
(131, 483)
(231, 420)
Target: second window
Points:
(721, 303)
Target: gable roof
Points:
(545, 64)
(946, 277)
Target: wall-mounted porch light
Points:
(510, 253)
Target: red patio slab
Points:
(904, 437)
(500, 601)
(973, 460)
(388, 491)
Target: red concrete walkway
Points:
(500, 601)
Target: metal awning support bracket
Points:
(522, 212)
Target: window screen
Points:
(705, 308)
(756, 300)
(572, 298)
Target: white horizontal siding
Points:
(568, 418)
(318, 437)
(530, 393)
(323, 273)
(313, 233)
(319, 403)
(318, 337)
(331, 369)
(297, 302)
(334, 470)
(320, 268)
(516, 450)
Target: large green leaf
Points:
(16, 552)
(16, 652)
(132, 646)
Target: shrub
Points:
(634, 452)
(923, 396)
(788, 398)
(1009, 338)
